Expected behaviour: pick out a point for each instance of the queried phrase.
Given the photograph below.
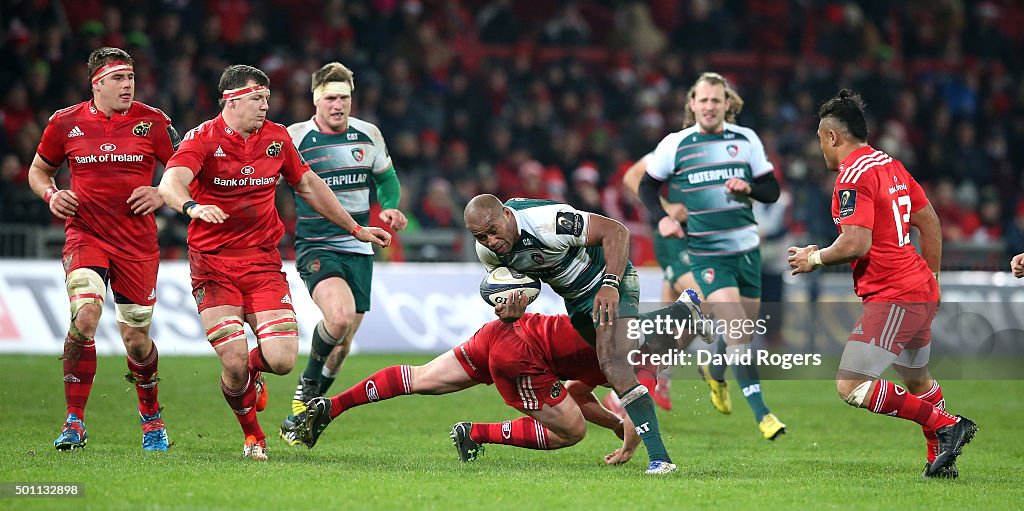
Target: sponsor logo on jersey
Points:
(357, 153)
(898, 188)
(568, 222)
(76, 132)
(346, 179)
(108, 147)
(152, 294)
(847, 202)
(715, 175)
(352, 136)
(556, 390)
(506, 429)
(142, 129)
(733, 150)
(245, 181)
(371, 391)
(858, 330)
(200, 295)
(219, 153)
(537, 257)
(708, 275)
(314, 266)
(274, 149)
(248, 170)
(286, 299)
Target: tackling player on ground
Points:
(716, 169)
(524, 357)
(584, 258)
(874, 204)
(346, 153)
(111, 144)
(224, 177)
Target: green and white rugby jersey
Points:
(696, 166)
(346, 162)
(551, 248)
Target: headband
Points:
(113, 67)
(243, 91)
(343, 88)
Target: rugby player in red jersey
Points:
(224, 177)
(111, 144)
(525, 356)
(875, 203)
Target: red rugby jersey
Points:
(873, 190)
(108, 159)
(239, 175)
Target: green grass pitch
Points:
(396, 454)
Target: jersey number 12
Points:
(902, 219)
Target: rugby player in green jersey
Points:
(349, 154)
(716, 169)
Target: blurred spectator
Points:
(513, 97)
(437, 207)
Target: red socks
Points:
(79, 371)
(384, 384)
(243, 403)
(144, 372)
(523, 432)
(933, 396)
(891, 399)
(256, 362)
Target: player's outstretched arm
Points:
(63, 203)
(319, 196)
(594, 412)
(852, 244)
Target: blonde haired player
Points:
(349, 155)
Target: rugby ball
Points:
(502, 282)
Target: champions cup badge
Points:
(142, 129)
(314, 266)
(200, 295)
(274, 149)
(357, 153)
(537, 257)
(733, 150)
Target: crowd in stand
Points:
(556, 99)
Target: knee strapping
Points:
(84, 286)
(858, 394)
(227, 329)
(285, 326)
(134, 315)
(321, 330)
(633, 395)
